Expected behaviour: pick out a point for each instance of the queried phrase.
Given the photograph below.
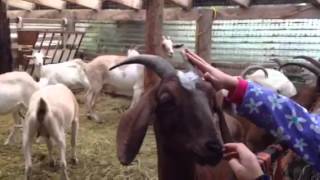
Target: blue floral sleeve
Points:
(285, 119)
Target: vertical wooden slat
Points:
(154, 21)
(57, 47)
(68, 34)
(5, 42)
(71, 48)
(81, 38)
(43, 39)
(49, 45)
(203, 33)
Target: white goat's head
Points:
(38, 58)
(270, 78)
(132, 52)
(168, 45)
(38, 61)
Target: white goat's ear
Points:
(163, 38)
(133, 127)
(168, 37)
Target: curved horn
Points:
(277, 61)
(246, 71)
(307, 66)
(137, 47)
(156, 63)
(309, 59)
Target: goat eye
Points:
(166, 100)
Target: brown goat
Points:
(189, 126)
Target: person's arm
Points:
(280, 116)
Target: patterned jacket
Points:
(282, 117)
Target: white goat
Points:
(169, 46)
(275, 80)
(132, 52)
(127, 80)
(267, 77)
(52, 110)
(71, 73)
(16, 89)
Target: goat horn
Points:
(246, 71)
(307, 66)
(277, 61)
(137, 47)
(309, 59)
(156, 63)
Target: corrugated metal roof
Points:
(260, 40)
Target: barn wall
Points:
(116, 37)
(31, 26)
(233, 41)
(240, 41)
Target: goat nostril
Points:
(213, 146)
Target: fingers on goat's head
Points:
(185, 114)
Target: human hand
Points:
(217, 78)
(242, 161)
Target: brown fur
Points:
(175, 133)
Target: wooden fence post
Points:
(203, 33)
(5, 41)
(153, 35)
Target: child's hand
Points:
(242, 161)
(217, 78)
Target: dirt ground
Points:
(96, 150)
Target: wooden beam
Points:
(316, 3)
(186, 4)
(286, 11)
(203, 34)
(92, 4)
(243, 3)
(55, 4)
(5, 42)
(153, 35)
(20, 4)
(134, 4)
(108, 14)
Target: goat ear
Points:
(225, 132)
(175, 46)
(133, 127)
